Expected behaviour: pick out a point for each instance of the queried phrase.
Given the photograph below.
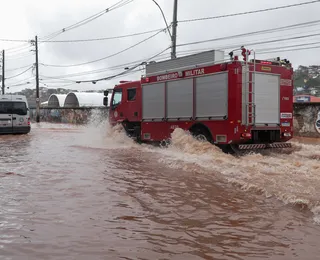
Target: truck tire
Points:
(201, 133)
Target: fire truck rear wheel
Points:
(201, 133)
(201, 137)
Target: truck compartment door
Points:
(267, 98)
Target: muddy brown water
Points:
(70, 192)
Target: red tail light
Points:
(28, 120)
(246, 135)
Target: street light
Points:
(164, 18)
(173, 36)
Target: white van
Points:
(14, 114)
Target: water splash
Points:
(290, 177)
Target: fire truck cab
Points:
(234, 104)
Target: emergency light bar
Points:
(267, 62)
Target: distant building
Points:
(57, 100)
(84, 99)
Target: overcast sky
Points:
(23, 20)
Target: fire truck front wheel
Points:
(201, 133)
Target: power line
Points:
(299, 25)
(12, 40)
(15, 57)
(18, 68)
(17, 75)
(112, 55)
(288, 46)
(286, 50)
(264, 42)
(104, 38)
(121, 66)
(310, 23)
(116, 75)
(23, 80)
(87, 20)
(115, 67)
(249, 12)
(73, 26)
(246, 34)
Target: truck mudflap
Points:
(263, 146)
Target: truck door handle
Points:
(14, 118)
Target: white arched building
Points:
(84, 99)
(56, 100)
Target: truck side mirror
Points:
(105, 101)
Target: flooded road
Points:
(70, 192)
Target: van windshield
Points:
(18, 108)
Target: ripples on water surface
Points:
(70, 192)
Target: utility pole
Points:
(3, 87)
(174, 29)
(37, 83)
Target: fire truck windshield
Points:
(117, 96)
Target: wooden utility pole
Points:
(37, 83)
(174, 30)
(3, 86)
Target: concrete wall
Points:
(305, 117)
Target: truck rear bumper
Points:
(263, 146)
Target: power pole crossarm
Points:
(3, 84)
(174, 29)
(37, 83)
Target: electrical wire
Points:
(16, 57)
(104, 38)
(288, 46)
(17, 68)
(116, 75)
(17, 75)
(73, 26)
(248, 12)
(286, 50)
(310, 23)
(86, 20)
(96, 71)
(264, 42)
(112, 55)
(120, 66)
(192, 51)
(23, 80)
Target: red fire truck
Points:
(232, 103)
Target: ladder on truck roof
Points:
(250, 106)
